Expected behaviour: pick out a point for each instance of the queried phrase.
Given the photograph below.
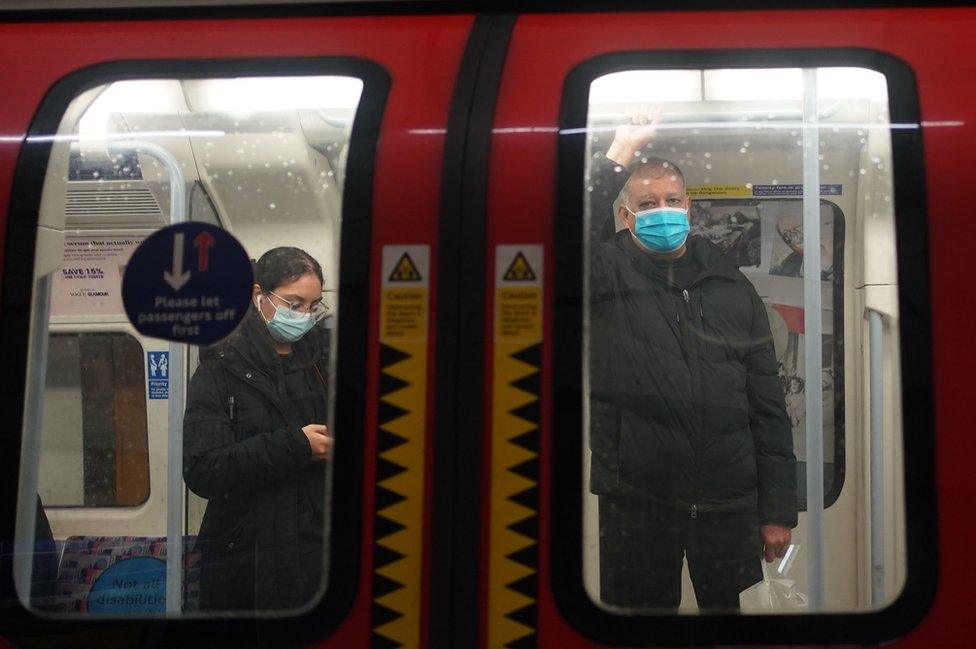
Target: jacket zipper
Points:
(693, 512)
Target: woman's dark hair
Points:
(284, 265)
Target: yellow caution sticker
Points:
(516, 393)
(719, 191)
(400, 444)
(405, 270)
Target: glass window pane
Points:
(264, 158)
(696, 371)
(94, 445)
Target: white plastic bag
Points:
(775, 593)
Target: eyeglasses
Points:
(318, 309)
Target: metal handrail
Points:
(876, 374)
(174, 465)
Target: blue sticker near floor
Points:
(189, 283)
(135, 585)
(157, 369)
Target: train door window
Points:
(248, 505)
(728, 366)
(94, 450)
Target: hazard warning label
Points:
(518, 292)
(519, 270)
(405, 270)
(403, 303)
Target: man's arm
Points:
(772, 436)
(608, 172)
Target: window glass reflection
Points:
(696, 339)
(263, 158)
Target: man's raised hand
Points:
(633, 136)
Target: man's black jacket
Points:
(253, 463)
(687, 406)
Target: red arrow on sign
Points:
(204, 241)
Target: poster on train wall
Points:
(89, 281)
(736, 228)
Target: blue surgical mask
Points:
(285, 326)
(662, 229)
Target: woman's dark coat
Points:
(245, 452)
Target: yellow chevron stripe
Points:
(504, 483)
(408, 336)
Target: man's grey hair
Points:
(655, 168)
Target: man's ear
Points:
(255, 290)
(625, 216)
(688, 206)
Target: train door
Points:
(319, 133)
(615, 388)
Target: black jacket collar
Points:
(708, 256)
(251, 347)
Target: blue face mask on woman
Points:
(287, 326)
(662, 229)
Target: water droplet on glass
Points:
(863, 171)
(272, 206)
(708, 155)
(708, 166)
(826, 167)
(743, 150)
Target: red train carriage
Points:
(442, 162)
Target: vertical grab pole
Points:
(813, 327)
(174, 464)
(30, 453)
(876, 350)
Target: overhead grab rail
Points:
(723, 116)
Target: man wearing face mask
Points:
(255, 442)
(691, 447)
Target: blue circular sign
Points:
(130, 586)
(189, 283)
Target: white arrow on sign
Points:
(177, 278)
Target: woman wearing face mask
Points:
(256, 442)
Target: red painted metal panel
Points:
(938, 45)
(421, 55)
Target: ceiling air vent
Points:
(111, 204)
